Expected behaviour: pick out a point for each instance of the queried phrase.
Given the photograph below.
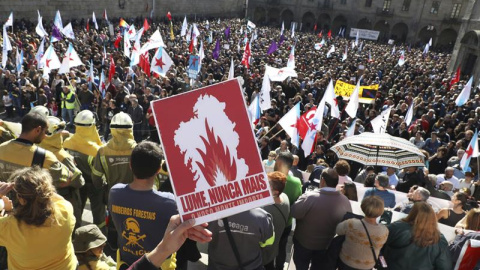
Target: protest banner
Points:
(366, 94)
(193, 66)
(364, 33)
(212, 155)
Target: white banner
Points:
(364, 33)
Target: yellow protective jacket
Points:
(83, 146)
(17, 154)
(113, 159)
(54, 144)
(5, 135)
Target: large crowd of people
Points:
(103, 146)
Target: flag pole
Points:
(269, 130)
(276, 134)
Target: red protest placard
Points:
(212, 155)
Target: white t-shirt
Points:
(7, 101)
(453, 180)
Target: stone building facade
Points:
(452, 24)
(75, 9)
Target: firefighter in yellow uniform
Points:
(113, 159)
(83, 146)
(22, 152)
(111, 165)
(53, 142)
(5, 133)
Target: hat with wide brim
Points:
(88, 237)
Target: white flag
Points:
(332, 50)
(409, 116)
(126, 45)
(427, 48)
(70, 60)
(401, 60)
(351, 129)
(201, 52)
(132, 33)
(39, 29)
(345, 54)
(153, 42)
(251, 25)
(7, 46)
(380, 123)
(293, 29)
(352, 106)
(265, 102)
(357, 39)
(9, 21)
(189, 34)
(68, 31)
(40, 53)
(430, 42)
(279, 74)
(331, 99)
(58, 21)
(393, 50)
(184, 27)
(19, 62)
(317, 121)
(94, 20)
(283, 28)
(161, 62)
(289, 123)
(291, 59)
(50, 60)
(231, 71)
(195, 34)
(465, 94)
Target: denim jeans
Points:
(69, 113)
(302, 257)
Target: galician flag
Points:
(50, 60)
(332, 50)
(7, 46)
(58, 21)
(279, 74)
(161, 62)
(153, 42)
(68, 31)
(465, 94)
(401, 60)
(351, 129)
(472, 151)
(39, 55)
(289, 123)
(315, 125)
(9, 21)
(254, 111)
(70, 60)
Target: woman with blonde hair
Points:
(38, 233)
(416, 243)
(363, 237)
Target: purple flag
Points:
(282, 39)
(227, 32)
(216, 51)
(273, 47)
(56, 33)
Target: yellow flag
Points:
(172, 37)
